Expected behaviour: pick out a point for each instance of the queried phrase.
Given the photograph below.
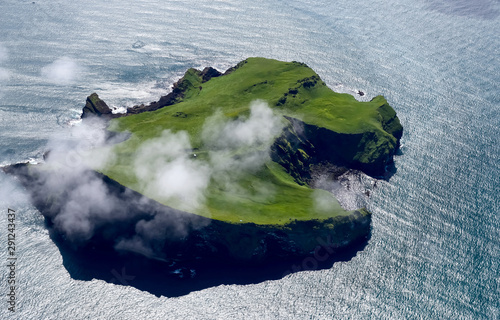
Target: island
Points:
(223, 169)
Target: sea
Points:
(434, 250)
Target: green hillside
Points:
(267, 194)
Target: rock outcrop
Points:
(94, 106)
(192, 78)
(301, 146)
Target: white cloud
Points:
(63, 71)
(323, 201)
(165, 170)
(259, 129)
(241, 145)
(87, 201)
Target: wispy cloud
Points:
(258, 129)
(242, 145)
(166, 168)
(323, 201)
(63, 71)
(86, 198)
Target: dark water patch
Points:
(138, 44)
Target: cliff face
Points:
(94, 106)
(301, 146)
(202, 239)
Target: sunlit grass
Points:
(270, 195)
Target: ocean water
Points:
(434, 251)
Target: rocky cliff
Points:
(203, 239)
(301, 146)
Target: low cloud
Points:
(242, 145)
(11, 194)
(167, 169)
(258, 130)
(63, 71)
(87, 201)
(323, 201)
(71, 148)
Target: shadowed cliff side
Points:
(210, 253)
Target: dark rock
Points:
(97, 107)
(309, 82)
(232, 69)
(179, 89)
(180, 115)
(209, 73)
(138, 44)
(94, 106)
(302, 146)
(203, 240)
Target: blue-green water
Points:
(434, 252)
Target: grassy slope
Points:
(262, 79)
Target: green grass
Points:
(282, 200)
(258, 78)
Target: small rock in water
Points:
(361, 93)
(138, 44)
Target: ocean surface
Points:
(434, 251)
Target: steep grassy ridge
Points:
(268, 194)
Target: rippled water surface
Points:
(434, 249)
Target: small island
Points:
(223, 168)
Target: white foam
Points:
(117, 110)
(74, 122)
(123, 95)
(34, 161)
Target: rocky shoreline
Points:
(94, 106)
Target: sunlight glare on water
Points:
(434, 248)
